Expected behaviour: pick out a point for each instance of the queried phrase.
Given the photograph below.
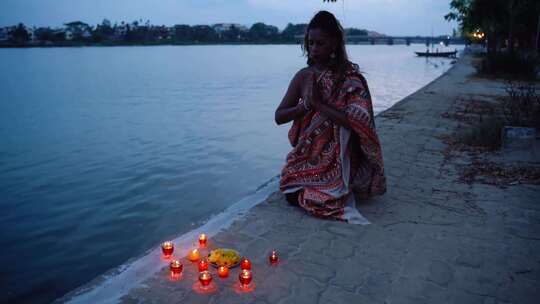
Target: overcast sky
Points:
(392, 17)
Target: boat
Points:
(436, 54)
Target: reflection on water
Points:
(105, 152)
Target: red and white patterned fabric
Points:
(328, 161)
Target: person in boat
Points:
(335, 148)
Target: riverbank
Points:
(111, 44)
(433, 238)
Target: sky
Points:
(391, 17)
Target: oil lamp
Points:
(167, 248)
(194, 255)
(223, 271)
(273, 258)
(245, 277)
(203, 265)
(176, 267)
(202, 240)
(245, 264)
(205, 278)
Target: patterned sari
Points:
(328, 162)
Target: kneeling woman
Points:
(335, 147)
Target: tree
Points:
(356, 32)
(45, 34)
(501, 20)
(20, 34)
(183, 33)
(292, 30)
(204, 33)
(103, 31)
(261, 32)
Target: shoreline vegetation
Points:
(508, 29)
(137, 33)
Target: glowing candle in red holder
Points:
(223, 271)
(203, 265)
(167, 248)
(245, 277)
(202, 240)
(245, 264)
(273, 258)
(194, 255)
(205, 278)
(176, 267)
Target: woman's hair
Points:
(326, 22)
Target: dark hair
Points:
(328, 23)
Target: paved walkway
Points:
(432, 239)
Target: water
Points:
(105, 152)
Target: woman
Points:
(335, 148)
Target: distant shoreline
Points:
(21, 46)
(135, 44)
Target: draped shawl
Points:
(329, 161)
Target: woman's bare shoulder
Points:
(302, 75)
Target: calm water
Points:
(105, 152)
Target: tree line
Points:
(504, 24)
(510, 30)
(138, 32)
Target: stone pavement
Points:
(432, 239)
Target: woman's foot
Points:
(292, 198)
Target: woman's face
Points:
(320, 45)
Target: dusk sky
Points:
(392, 17)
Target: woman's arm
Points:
(289, 109)
(334, 114)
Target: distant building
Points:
(120, 31)
(31, 34)
(4, 33)
(171, 32)
(160, 32)
(223, 27)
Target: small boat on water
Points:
(436, 54)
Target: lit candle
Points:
(167, 248)
(273, 257)
(245, 264)
(203, 265)
(223, 271)
(194, 255)
(245, 277)
(205, 278)
(202, 240)
(176, 267)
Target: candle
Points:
(202, 240)
(273, 257)
(176, 267)
(194, 255)
(245, 277)
(223, 271)
(205, 278)
(245, 264)
(167, 248)
(203, 265)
